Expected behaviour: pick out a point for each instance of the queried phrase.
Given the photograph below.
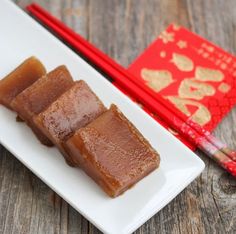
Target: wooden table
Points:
(123, 29)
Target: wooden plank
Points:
(123, 29)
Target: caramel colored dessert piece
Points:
(19, 79)
(40, 95)
(74, 109)
(113, 152)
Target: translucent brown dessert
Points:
(40, 95)
(19, 79)
(112, 152)
(72, 110)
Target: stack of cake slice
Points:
(69, 115)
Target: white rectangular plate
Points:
(22, 37)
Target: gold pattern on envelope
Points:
(182, 44)
(207, 74)
(208, 47)
(223, 66)
(205, 55)
(182, 62)
(176, 27)
(193, 89)
(224, 88)
(157, 79)
(162, 54)
(200, 116)
(166, 37)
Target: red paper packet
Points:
(197, 77)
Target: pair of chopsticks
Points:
(193, 132)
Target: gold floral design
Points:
(191, 88)
(208, 47)
(182, 44)
(176, 27)
(182, 62)
(205, 55)
(223, 66)
(162, 54)
(157, 79)
(224, 88)
(201, 116)
(207, 74)
(166, 37)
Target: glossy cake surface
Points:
(113, 152)
(40, 95)
(19, 79)
(77, 107)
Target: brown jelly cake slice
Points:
(74, 109)
(19, 79)
(40, 95)
(113, 152)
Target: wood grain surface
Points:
(123, 29)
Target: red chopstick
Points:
(154, 102)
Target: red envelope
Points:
(196, 76)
